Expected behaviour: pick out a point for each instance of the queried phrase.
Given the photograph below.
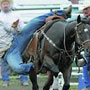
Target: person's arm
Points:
(20, 25)
(17, 25)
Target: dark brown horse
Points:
(55, 49)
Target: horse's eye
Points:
(85, 30)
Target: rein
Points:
(77, 25)
(80, 48)
(70, 56)
(77, 35)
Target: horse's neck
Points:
(70, 33)
(72, 24)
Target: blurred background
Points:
(29, 9)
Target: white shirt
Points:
(10, 17)
(6, 32)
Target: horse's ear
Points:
(78, 19)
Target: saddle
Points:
(54, 17)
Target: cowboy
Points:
(14, 55)
(10, 25)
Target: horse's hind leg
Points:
(33, 78)
(67, 76)
(49, 82)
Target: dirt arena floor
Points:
(16, 85)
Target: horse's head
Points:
(82, 33)
(82, 39)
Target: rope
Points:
(65, 44)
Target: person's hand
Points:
(14, 25)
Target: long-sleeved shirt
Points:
(6, 30)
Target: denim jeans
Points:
(23, 78)
(5, 73)
(86, 77)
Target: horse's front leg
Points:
(49, 81)
(33, 78)
(67, 76)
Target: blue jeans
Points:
(23, 78)
(86, 77)
(5, 72)
(13, 55)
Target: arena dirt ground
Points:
(16, 85)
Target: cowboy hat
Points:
(10, 1)
(84, 6)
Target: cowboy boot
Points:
(68, 11)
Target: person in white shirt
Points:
(10, 25)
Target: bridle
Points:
(83, 46)
(77, 37)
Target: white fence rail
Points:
(31, 11)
